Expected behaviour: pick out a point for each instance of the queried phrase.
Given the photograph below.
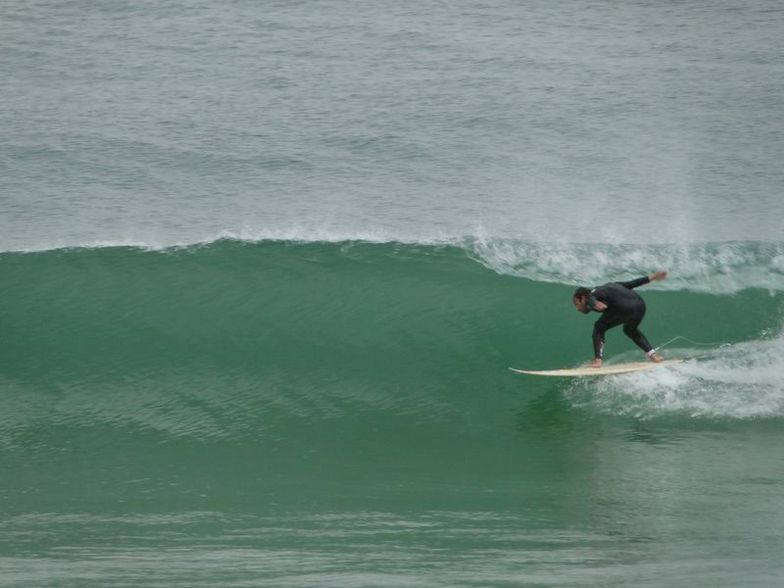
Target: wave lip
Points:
(718, 268)
(291, 235)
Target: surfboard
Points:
(605, 370)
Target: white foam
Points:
(719, 268)
(740, 381)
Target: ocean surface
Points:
(264, 267)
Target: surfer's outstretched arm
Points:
(631, 284)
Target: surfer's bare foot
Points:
(656, 358)
(596, 363)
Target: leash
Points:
(720, 344)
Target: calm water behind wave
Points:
(585, 121)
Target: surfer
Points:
(619, 305)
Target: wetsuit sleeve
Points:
(634, 283)
(599, 328)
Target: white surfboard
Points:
(605, 370)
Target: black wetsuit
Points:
(624, 307)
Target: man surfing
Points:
(619, 305)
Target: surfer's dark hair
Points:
(580, 292)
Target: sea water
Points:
(264, 266)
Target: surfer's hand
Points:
(660, 275)
(599, 306)
(596, 363)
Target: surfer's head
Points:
(580, 299)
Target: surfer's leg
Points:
(631, 330)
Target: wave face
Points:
(237, 339)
